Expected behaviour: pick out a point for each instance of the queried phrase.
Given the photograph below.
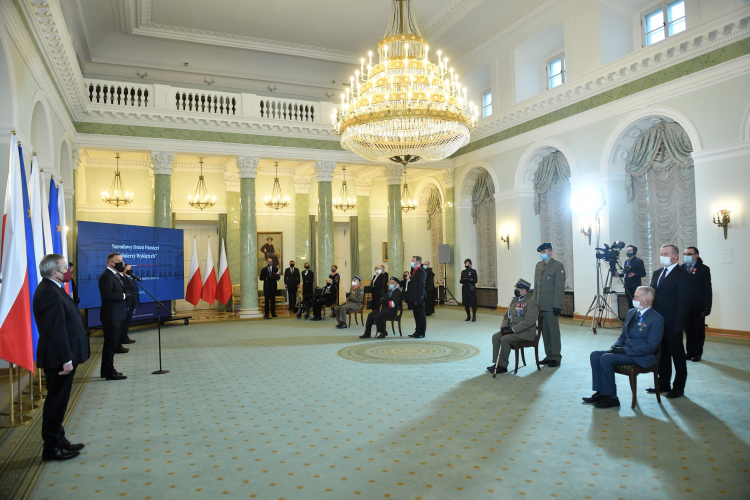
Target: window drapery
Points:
(552, 204)
(483, 213)
(435, 225)
(661, 180)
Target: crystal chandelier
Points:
(201, 198)
(404, 105)
(277, 199)
(344, 202)
(117, 195)
(407, 204)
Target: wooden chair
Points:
(519, 346)
(360, 311)
(632, 371)
(396, 319)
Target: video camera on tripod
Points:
(610, 254)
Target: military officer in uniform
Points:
(549, 290)
(519, 324)
(353, 303)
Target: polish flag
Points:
(15, 306)
(193, 292)
(224, 287)
(208, 292)
(63, 230)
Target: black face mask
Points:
(517, 292)
(629, 254)
(120, 267)
(270, 264)
(129, 272)
(333, 271)
(291, 265)
(307, 267)
(468, 266)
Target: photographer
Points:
(519, 324)
(634, 271)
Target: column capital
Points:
(448, 178)
(324, 170)
(248, 166)
(76, 154)
(162, 162)
(363, 187)
(232, 180)
(301, 184)
(393, 173)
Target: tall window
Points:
(666, 20)
(556, 71)
(487, 104)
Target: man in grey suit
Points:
(640, 338)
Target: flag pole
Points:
(12, 420)
(23, 408)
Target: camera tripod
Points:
(600, 304)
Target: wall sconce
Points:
(722, 219)
(586, 231)
(505, 238)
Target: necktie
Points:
(661, 279)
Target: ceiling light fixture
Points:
(407, 203)
(277, 199)
(344, 202)
(117, 195)
(404, 106)
(201, 199)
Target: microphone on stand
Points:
(134, 276)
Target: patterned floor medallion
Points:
(408, 352)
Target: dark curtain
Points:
(354, 244)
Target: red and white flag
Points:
(224, 287)
(208, 292)
(16, 344)
(193, 292)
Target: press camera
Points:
(610, 254)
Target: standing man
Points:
(634, 271)
(63, 345)
(378, 286)
(549, 290)
(308, 281)
(269, 275)
(388, 308)
(291, 283)
(672, 301)
(133, 302)
(415, 296)
(353, 303)
(701, 298)
(73, 286)
(429, 303)
(519, 324)
(113, 313)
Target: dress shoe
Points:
(59, 454)
(553, 364)
(500, 369)
(116, 377)
(597, 396)
(695, 359)
(122, 350)
(316, 319)
(274, 315)
(544, 361)
(128, 341)
(417, 335)
(607, 402)
(266, 317)
(467, 318)
(343, 325)
(474, 319)
(651, 390)
(383, 335)
(674, 393)
(365, 336)
(67, 445)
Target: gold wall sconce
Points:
(505, 238)
(586, 231)
(722, 219)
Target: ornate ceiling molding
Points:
(232, 180)
(449, 17)
(363, 186)
(448, 178)
(147, 28)
(301, 184)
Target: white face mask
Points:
(637, 304)
(666, 261)
(354, 283)
(378, 271)
(688, 259)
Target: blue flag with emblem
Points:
(54, 219)
(30, 255)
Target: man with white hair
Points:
(640, 338)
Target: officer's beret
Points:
(357, 278)
(395, 279)
(522, 283)
(544, 246)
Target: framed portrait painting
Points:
(269, 245)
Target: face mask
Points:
(129, 272)
(413, 264)
(517, 292)
(333, 271)
(666, 261)
(544, 256)
(467, 266)
(67, 275)
(688, 259)
(270, 264)
(378, 271)
(637, 304)
(120, 267)
(392, 287)
(307, 267)
(354, 283)
(629, 254)
(291, 265)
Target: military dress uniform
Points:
(353, 303)
(549, 290)
(521, 317)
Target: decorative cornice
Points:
(324, 170)
(301, 184)
(722, 152)
(162, 162)
(448, 178)
(209, 167)
(363, 186)
(393, 174)
(248, 166)
(232, 180)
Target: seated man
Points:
(353, 303)
(387, 308)
(328, 298)
(519, 324)
(637, 345)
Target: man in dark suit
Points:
(414, 290)
(291, 283)
(133, 302)
(701, 299)
(429, 303)
(63, 345)
(387, 308)
(308, 281)
(635, 269)
(113, 313)
(671, 301)
(269, 275)
(73, 286)
(378, 286)
(641, 335)
(327, 298)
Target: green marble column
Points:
(162, 162)
(324, 173)
(248, 167)
(396, 264)
(302, 221)
(233, 233)
(363, 227)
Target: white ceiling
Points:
(301, 46)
